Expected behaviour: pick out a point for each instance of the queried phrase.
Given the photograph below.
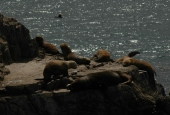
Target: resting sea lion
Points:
(142, 65)
(69, 55)
(57, 67)
(131, 54)
(78, 59)
(100, 80)
(49, 48)
(102, 56)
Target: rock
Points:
(53, 85)
(1, 76)
(23, 89)
(163, 105)
(136, 98)
(15, 41)
(65, 81)
(115, 100)
(5, 56)
(3, 71)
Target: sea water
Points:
(118, 26)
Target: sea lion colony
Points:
(94, 80)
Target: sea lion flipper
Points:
(133, 53)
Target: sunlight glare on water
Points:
(119, 26)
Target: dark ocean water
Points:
(119, 26)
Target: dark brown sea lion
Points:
(102, 56)
(78, 59)
(65, 50)
(60, 16)
(142, 65)
(131, 54)
(57, 67)
(69, 55)
(100, 80)
(48, 47)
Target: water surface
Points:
(119, 26)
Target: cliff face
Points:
(15, 41)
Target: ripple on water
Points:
(117, 26)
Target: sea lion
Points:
(60, 16)
(48, 47)
(65, 50)
(78, 59)
(102, 56)
(57, 67)
(69, 55)
(100, 80)
(131, 54)
(142, 65)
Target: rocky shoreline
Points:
(22, 63)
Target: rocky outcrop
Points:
(23, 95)
(136, 98)
(15, 41)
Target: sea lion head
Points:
(127, 62)
(60, 15)
(72, 64)
(39, 40)
(101, 56)
(64, 47)
(79, 84)
(86, 61)
(133, 53)
(65, 50)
